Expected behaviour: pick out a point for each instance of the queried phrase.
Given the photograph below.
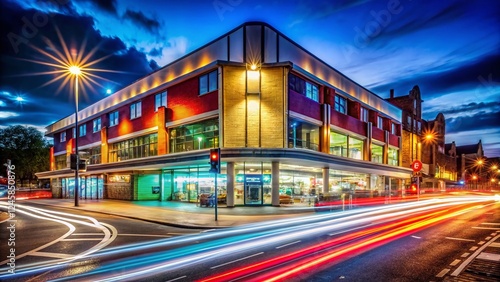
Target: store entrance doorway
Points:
(253, 190)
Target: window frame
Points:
(62, 137)
(114, 121)
(82, 130)
(364, 114)
(341, 104)
(160, 98)
(380, 122)
(94, 122)
(211, 82)
(136, 110)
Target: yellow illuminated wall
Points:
(255, 119)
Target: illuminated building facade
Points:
(290, 128)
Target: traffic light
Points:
(82, 163)
(214, 160)
(73, 159)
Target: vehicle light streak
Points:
(173, 260)
(379, 239)
(242, 272)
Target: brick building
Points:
(288, 125)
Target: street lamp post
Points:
(76, 72)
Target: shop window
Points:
(195, 136)
(160, 100)
(303, 135)
(340, 104)
(393, 157)
(94, 154)
(96, 125)
(136, 110)
(208, 82)
(377, 154)
(338, 144)
(355, 148)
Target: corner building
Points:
(290, 128)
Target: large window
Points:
(355, 148)
(303, 87)
(338, 144)
(340, 104)
(135, 110)
(393, 157)
(303, 135)
(160, 100)
(113, 118)
(140, 147)
(377, 154)
(196, 136)
(208, 82)
(62, 137)
(96, 125)
(60, 161)
(82, 130)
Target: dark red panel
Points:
(378, 134)
(348, 123)
(393, 140)
(303, 105)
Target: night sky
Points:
(450, 49)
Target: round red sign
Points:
(416, 165)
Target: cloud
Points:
(105, 5)
(140, 19)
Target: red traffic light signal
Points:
(414, 187)
(214, 160)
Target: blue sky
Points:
(451, 49)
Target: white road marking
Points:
(495, 245)
(51, 255)
(481, 243)
(464, 255)
(145, 235)
(288, 244)
(473, 256)
(455, 262)
(83, 239)
(489, 256)
(489, 228)
(175, 279)
(459, 239)
(443, 272)
(473, 248)
(490, 223)
(487, 238)
(416, 237)
(217, 266)
(87, 234)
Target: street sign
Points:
(416, 165)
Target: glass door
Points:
(253, 190)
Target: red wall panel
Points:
(393, 140)
(378, 134)
(303, 105)
(348, 123)
(184, 101)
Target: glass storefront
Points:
(91, 187)
(253, 184)
(196, 136)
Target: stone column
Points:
(326, 180)
(275, 184)
(230, 184)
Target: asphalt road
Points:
(408, 242)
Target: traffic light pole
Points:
(216, 197)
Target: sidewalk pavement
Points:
(179, 214)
